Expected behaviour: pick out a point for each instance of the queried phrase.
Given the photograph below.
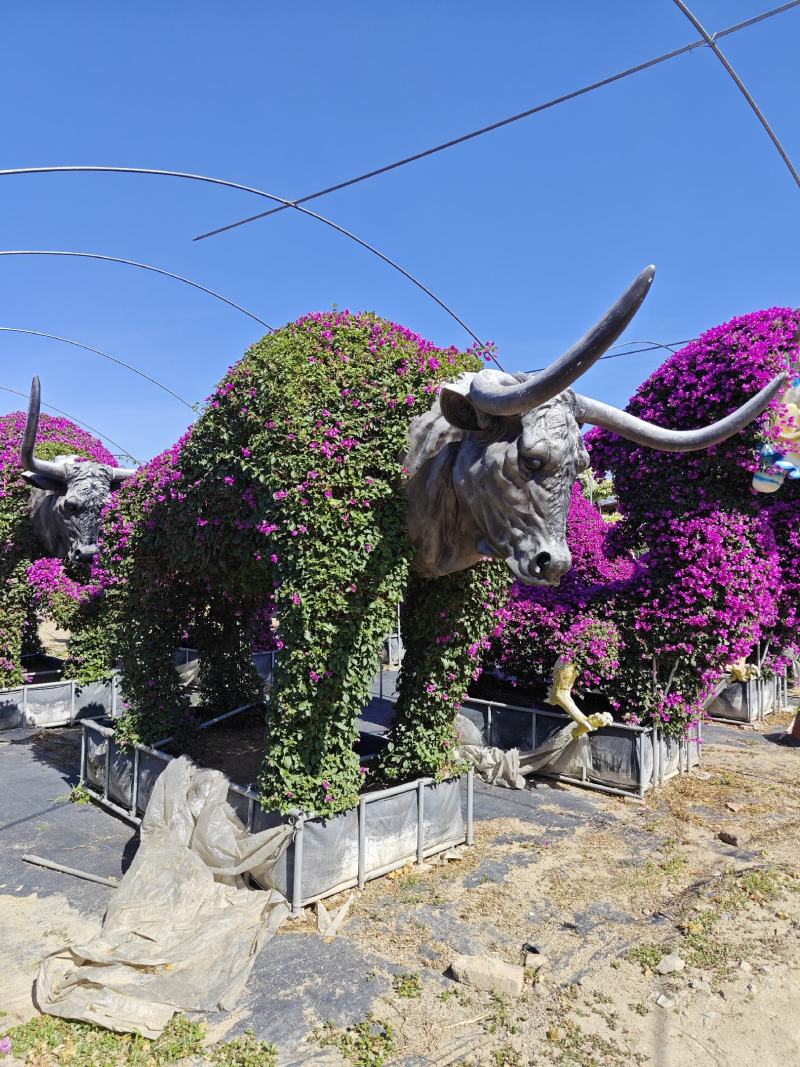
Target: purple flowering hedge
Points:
(539, 624)
(31, 584)
(291, 486)
(716, 564)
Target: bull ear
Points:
(458, 409)
(42, 481)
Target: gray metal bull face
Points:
(68, 494)
(493, 463)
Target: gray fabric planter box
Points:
(627, 760)
(386, 830)
(745, 701)
(264, 662)
(57, 703)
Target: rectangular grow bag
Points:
(57, 703)
(747, 701)
(622, 759)
(386, 830)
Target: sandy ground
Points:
(30, 929)
(54, 639)
(658, 880)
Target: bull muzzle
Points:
(82, 555)
(547, 566)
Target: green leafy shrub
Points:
(290, 487)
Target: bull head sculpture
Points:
(68, 494)
(493, 463)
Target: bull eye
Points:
(533, 459)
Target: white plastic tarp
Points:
(182, 931)
(560, 753)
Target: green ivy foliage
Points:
(291, 486)
(448, 622)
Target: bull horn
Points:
(646, 433)
(119, 474)
(30, 462)
(491, 396)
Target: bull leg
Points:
(449, 618)
(145, 646)
(321, 685)
(565, 674)
(16, 619)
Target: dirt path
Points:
(603, 905)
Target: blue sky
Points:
(529, 233)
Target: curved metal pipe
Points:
(564, 98)
(710, 40)
(142, 266)
(492, 396)
(646, 433)
(257, 192)
(97, 351)
(122, 449)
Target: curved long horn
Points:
(119, 474)
(30, 462)
(646, 433)
(490, 396)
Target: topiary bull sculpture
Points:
(68, 493)
(32, 531)
(345, 465)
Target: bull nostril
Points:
(542, 559)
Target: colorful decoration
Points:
(780, 459)
(565, 675)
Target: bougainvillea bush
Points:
(29, 583)
(780, 516)
(716, 564)
(291, 487)
(719, 572)
(540, 624)
(700, 599)
(701, 383)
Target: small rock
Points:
(697, 983)
(670, 964)
(451, 854)
(733, 836)
(666, 1001)
(745, 966)
(535, 960)
(494, 976)
(733, 807)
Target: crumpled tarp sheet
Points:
(559, 754)
(189, 673)
(182, 931)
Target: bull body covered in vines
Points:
(343, 466)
